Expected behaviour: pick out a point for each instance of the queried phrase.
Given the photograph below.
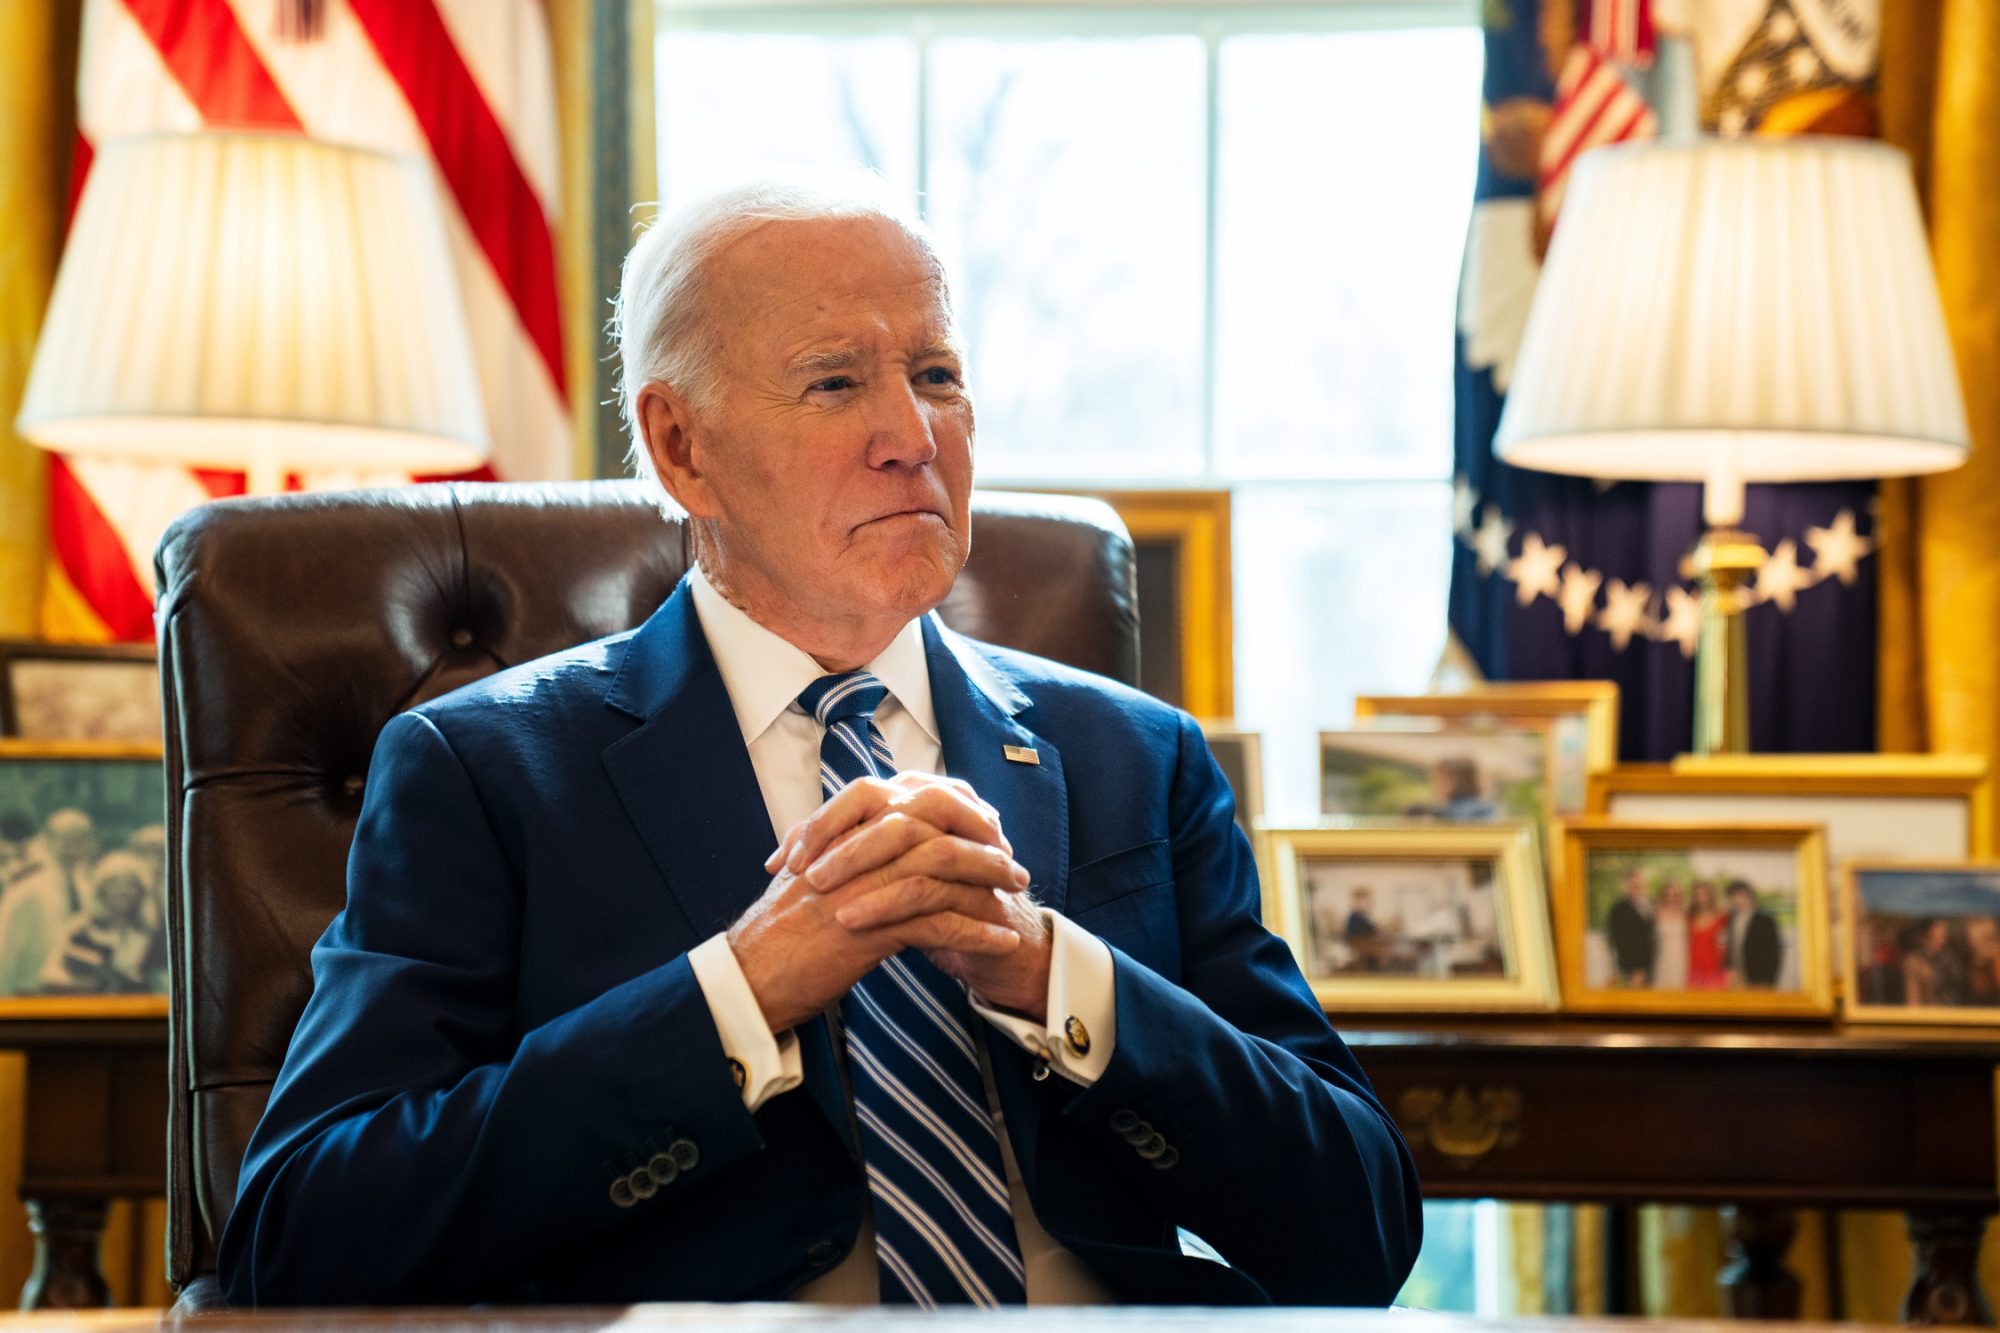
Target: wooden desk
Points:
(1771, 1117)
(96, 1131)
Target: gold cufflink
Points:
(1020, 754)
(1076, 1034)
(737, 1072)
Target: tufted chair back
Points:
(293, 629)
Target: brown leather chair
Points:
(293, 629)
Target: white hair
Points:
(665, 331)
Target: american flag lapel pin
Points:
(1020, 754)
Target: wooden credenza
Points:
(1767, 1118)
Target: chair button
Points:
(1167, 1160)
(621, 1193)
(1122, 1122)
(684, 1153)
(822, 1253)
(662, 1168)
(642, 1184)
(461, 638)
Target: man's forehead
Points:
(792, 277)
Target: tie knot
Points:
(852, 694)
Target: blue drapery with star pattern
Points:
(1559, 578)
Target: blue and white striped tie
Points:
(944, 1231)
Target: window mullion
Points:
(1212, 125)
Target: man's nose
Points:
(900, 429)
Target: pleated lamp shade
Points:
(262, 302)
(1737, 310)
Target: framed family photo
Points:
(1580, 717)
(1925, 942)
(1427, 772)
(1685, 918)
(82, 880)
(1412, 918)
(79, 692)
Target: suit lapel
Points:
(978, 713)
(685, 780)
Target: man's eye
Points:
(938, 375)
(832, 384)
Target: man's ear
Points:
(667, 424)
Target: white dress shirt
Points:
(764, 675)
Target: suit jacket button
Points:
(621, 1193)
(1138, 1134)
(1167, 1160)
(1153, 1147)
(684, 1153)
(642, 1184)
(1123, 1122)
(822, 1253)
(662, 1168)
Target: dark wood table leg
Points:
(67, 1233)
(1945, 1289)
(1755, 1282)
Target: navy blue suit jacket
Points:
(504, 1020)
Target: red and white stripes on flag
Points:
(1594, 106)
(468, 83)
(1622, 30)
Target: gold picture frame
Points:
(120, 790)
(1240, 755)
(1711, 981)
(1488, 758)
(1581, 716)
(1954, 926)
(1181, 549)
(1518, 911)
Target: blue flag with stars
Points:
(1559, 578)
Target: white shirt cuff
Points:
(1081, 1031)
(763, 1065)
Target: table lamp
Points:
(257, 302)
(1728, 311)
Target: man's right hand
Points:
(925, 841)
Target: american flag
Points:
(468, 83)
(1594, 106)
(1622, 30)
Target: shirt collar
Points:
(765, 673)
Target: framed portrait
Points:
(1240, 754)
(79, 692)
(1581, 717)
(1693, 918)
(1400, 917)
(1187, 627)
(1925, 942)
(82, 880)
(1429, 772)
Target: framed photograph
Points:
(79, 692)
(82, 879)
(1581, 717)
(1430, 773)
(1926, 942)
(1241, 757)
(1386, 917)
(1693, 918)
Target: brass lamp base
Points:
(1724, 562)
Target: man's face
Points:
(836, 461)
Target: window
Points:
(1204, 246)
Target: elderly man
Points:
(672, 970)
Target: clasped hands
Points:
(914, 861)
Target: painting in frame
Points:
(1710, 919)
(79, 692)
(83, 864)
(1581, 717)
(1926, 942)
(1240, 755)
(1387, 917)
(1428, 772)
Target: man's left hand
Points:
(846, 846)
